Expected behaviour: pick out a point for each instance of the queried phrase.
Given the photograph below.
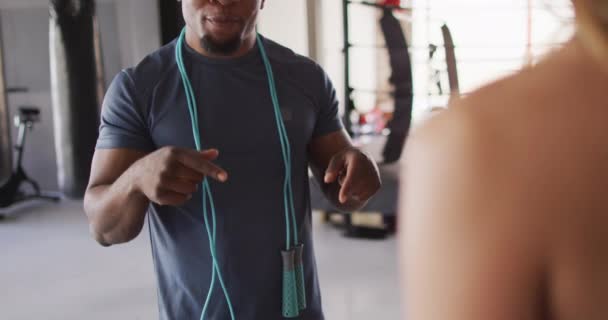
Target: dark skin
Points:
(124, 182)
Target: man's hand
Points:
(171, 175)
(357, 175)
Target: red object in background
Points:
(391, 2)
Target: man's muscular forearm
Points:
(116, 211)
(125, 182)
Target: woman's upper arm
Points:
(465, 255)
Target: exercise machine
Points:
(15, 190)
(384, 205)
(379, 216)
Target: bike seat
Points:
(29, 114)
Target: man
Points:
(145, 165)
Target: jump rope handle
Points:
(294, 290)
(300, 283)
(290, 291)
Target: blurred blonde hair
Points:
(592, 27)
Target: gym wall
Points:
(25, 38)
(290, 30)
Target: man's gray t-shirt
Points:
(145, 109)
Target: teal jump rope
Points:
(294, 291)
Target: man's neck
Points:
(195, 43)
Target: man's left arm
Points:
(347, 176)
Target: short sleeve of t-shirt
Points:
(123, 123)
(328, 119)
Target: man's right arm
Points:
(124, 182)
(114, 204)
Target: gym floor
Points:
(52, 270)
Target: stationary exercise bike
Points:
(12, 192)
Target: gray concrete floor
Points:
(50, 269)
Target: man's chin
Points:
(223, 47)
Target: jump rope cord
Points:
(285, 147)
(206, 188)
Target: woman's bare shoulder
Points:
(498, 115)
(462, 204)
(495, 137)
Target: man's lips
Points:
(221, 20)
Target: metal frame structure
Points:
(6, 154)
(349, 104)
